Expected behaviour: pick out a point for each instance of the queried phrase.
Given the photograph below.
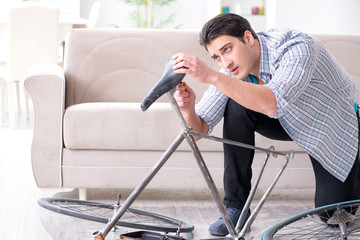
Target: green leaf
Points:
(166, 22)
(142, 16)
(133, 2)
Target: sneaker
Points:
(219, 228)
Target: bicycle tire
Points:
(102, 212)
(308, 225)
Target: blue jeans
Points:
(240, 124)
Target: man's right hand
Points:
(185, 98)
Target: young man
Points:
(283, 85)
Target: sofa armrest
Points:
(45, 85)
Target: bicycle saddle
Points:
(168, 81)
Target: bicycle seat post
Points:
(177, 110)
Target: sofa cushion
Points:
(123, 126)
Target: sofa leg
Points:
(82, 193)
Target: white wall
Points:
(190, 14)
(312, 16)
(315, 16)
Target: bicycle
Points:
(342, 222)
(167, 84)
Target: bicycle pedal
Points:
(340, 216)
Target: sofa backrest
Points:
(346, 49)
(118, 65)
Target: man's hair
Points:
(225, 24)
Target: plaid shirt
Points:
(315, 98)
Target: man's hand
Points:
(185, 98)
(193, 66)
(184, 95)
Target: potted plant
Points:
(145, 11)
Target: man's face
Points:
(232, 54)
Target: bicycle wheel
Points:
(335, 221)
(102, 212)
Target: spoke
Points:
(85, 209)
(311, 227)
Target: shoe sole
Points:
(218, 234)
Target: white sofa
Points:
(89, 130)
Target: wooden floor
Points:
(21, 218)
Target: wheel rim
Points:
(308, 225)
(102, 212)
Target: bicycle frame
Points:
(235, 232)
